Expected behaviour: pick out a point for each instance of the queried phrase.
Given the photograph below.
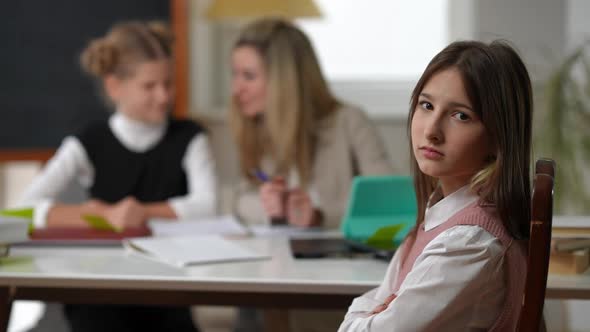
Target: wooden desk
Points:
(109, 275)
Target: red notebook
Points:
(84, 236)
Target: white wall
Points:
(577, 25)
(14, 178)
(536, 27)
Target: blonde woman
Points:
(299, 147)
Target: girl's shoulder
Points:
(94, 131)
(346, 117)
(352, 113)
(485, 216)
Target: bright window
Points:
(377, 39)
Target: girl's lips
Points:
(430, 153)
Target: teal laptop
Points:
(381, 210)
(380, 213)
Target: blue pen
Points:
(261, 175)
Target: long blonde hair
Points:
(298, 97)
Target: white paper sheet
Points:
(190, 250)
(223, 225)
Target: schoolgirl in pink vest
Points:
(463, 266)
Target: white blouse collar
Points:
(135, 135)
(440, 210)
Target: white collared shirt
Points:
(456, 281)
(71, 163)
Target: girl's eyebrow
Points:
(452, 104)
(423, 94)
(455, 104)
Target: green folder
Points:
(100, 223)
(26, 213)
(95, 222)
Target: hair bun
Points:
(99, 58)
(162, 31)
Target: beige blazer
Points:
(348, 145)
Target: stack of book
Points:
(12, 230)
(570, 246)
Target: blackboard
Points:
(44, 95)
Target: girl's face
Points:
(147, 94)
(248, 81)
(448, 138)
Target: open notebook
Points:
(189, 250)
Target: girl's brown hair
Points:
(124, 46)
(498, 86)
(298, 97)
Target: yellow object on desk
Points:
(570, 247)
(574, 262)
(570, 232)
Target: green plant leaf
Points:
(586, 64)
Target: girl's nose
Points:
(433, 129)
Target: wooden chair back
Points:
(531, 316)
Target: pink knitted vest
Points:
(514, 258)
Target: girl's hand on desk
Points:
(272, 195)
(126, 213)
(300, 210)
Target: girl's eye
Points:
(461, 116)
(426, 105)
(149, 85)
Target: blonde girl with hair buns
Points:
(140, 164)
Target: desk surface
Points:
(88, 267)
(114, 268)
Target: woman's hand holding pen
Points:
(300, 210)
(272, 194)
(278, 202)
